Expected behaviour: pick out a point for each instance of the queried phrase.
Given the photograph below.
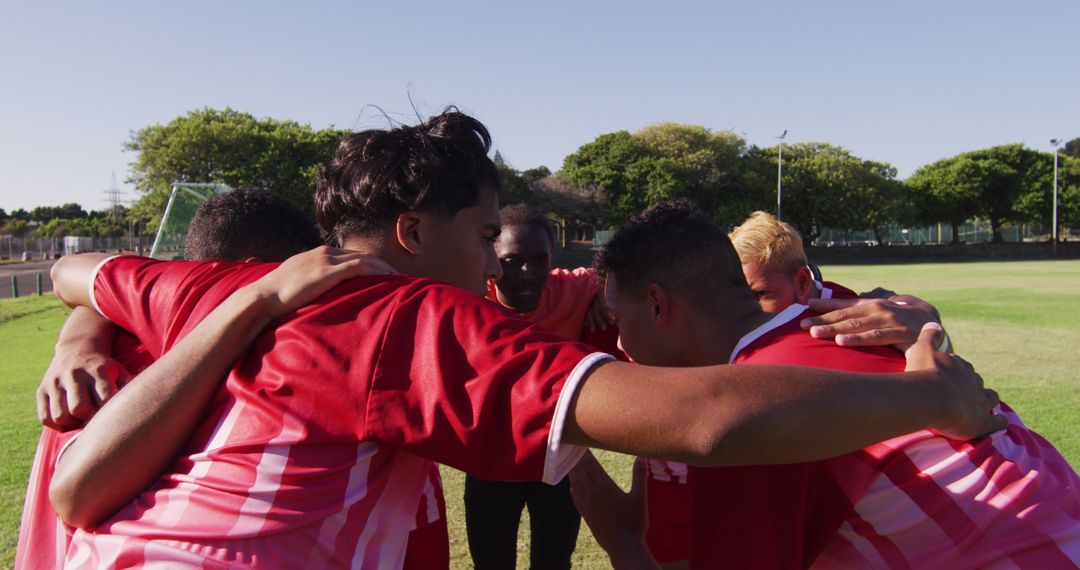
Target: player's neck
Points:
(384, 250)
(715, 333)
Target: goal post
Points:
(184, 199)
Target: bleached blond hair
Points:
(766, 240)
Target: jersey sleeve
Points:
(577, 285)
(463, 382)
(157, 300)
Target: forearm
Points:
(749, 414)
(141, 430)
(85, 331)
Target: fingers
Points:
(877, 293)
(998, 422)
(929, 335)
(61, 416)
(41, 398)
(828, 306)
(992, 398)
(52, 406)
(80, 404)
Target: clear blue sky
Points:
(903, 82)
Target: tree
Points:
(989, 184)
(532, 175)
(20, 214)
(3, 216)
(879, 199)
(515, 189)
(604, 164)
(576, 208)
(662, 162)
(1072, 148)
(71, 210)
(825, 186)
(941, 192)
(1035, 204)
(230, 147)
(16, 227)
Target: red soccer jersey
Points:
(563, 303)
(317, 447)
(917, 501)
(668, 510)
(43, 537)
(830, 290)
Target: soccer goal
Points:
(183, 201)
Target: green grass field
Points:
(1015, 321)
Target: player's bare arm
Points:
(145, 425)
(82, 374)
(744, 415)
(889, 321)
(618, 520)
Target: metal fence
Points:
(31, 248)
(974, 231)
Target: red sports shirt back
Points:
(316, 450)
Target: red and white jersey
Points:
(563, 303)
(830, 290)
(316, 450)
(665, 470)
(918, 501)
(43, 537)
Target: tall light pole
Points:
(780, 174)
(1054, 232)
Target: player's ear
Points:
(658, 303)
(804, 285)
(408, 230)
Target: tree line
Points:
(67, 220)
(610, 178)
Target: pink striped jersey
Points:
(563, 303)
(316, 450)
(43, 537)
(1008, 500)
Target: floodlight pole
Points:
(1054, 232)
(780, 174)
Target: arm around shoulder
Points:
(764, 414)
(71, 276)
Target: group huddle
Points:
(293, 414)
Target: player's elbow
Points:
(710, 446)
(722, 437)
(59, 274)
(74, 506)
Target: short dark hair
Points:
(439, 165)
(676, 246)
(249, 222)
(522, 215)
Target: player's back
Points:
(920, 500)
(309, 454)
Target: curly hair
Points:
(522, 215)
(440, 165)
(248, 222)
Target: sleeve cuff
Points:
(64, 448)
(93, 280)
(560, 457)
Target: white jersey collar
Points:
(780, 319)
